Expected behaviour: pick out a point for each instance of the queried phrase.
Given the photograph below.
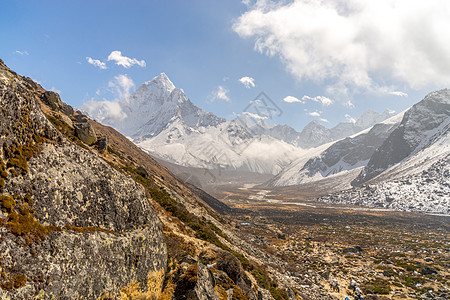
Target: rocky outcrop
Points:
(103, 144)
(204, 289)
(53, 100)
(84, 129)
(71, 226)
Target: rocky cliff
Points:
(72, 226)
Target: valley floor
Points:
(390, 255)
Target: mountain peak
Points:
(161, 81)
(313, 124)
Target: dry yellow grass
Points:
(133, 290)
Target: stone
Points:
(52, 99)
(86, 133)
(204, 289)
(66, 109)
(81, 118)
(103, 144)
(264, 294)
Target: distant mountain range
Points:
(342, 156)
(162, 120)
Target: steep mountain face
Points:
(420, 183)
(314, 134)
(162, 120)
(152, 108)
(341, 156)
(421, 125)
(410, 170)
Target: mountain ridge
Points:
(161, 119)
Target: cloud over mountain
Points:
(356, 44)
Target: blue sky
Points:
(333, 58)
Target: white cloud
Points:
(255, 116)
(314, 114)
(292, 99)
(220, 94)
(349, 104)
(22, 52)
(124, 61)
(104, 110)
(355, 44)
(121, 85)
(248, 82)
(321, 99)
(398, 93)
(350, 119)
(324, 120)
(96, 63)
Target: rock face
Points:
(421, 125)
(410, 170)
(71, 226)
(52, 99)
(204, 289)
(84, 130)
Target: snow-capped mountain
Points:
(411, 169)
(337, 157)
(315, 134)
(422, 124)
(162, 120)
(420, 183)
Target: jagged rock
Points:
(233, 268)
(103, 144)
(142, 171)
(81, 118)
(52, 99)
(66, 109)
(204, 289)
(31, 82)
(86, 133)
